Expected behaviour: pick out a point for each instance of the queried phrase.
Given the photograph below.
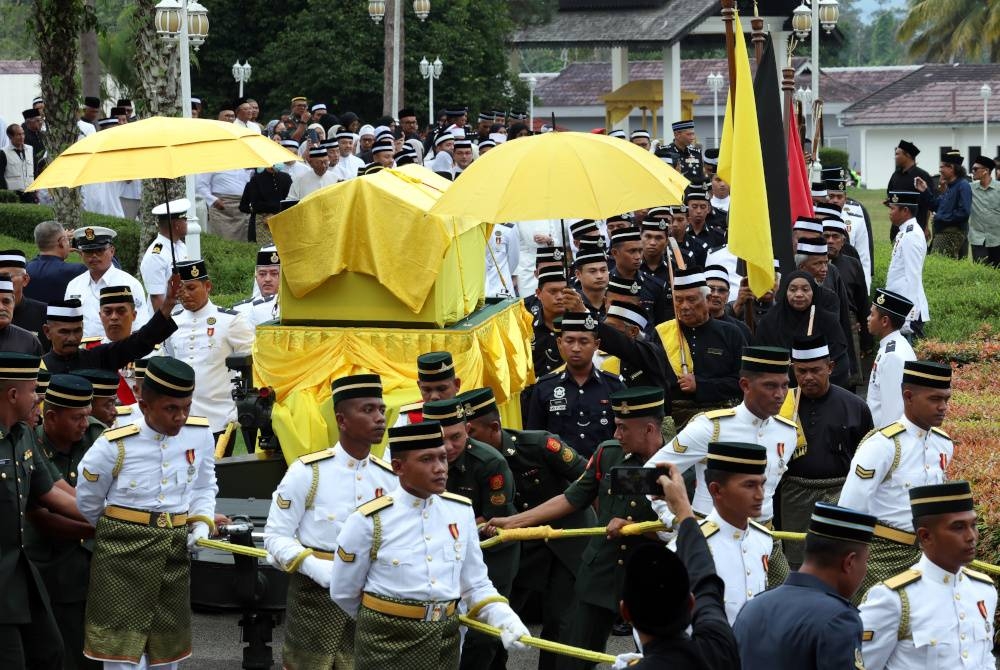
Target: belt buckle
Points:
(163, 520)
(433, 611)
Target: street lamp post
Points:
(532, 83)
(241, 73)
(376, 10)
(430, 72)
(715, 82)
(807, 19)
(986, 92)
(185, 21)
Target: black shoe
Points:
(621, 628)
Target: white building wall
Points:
(881, 142)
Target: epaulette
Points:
(123, 410)
(893, 429)
(177, 310)
(197, 421)
(379, 462)
(506, 225)
(552, 374)
(708, 528)
(902, 579)
(261, 301)
(941, 433)
(720, 413)
(456, 498)
(121, 433)
(376, 505)
(787, 422)
(412, 407)
(316, 456)
(223, 310)
(761, 527)
(157, 248)
(978, 576)
(244, 302)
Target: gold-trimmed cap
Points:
(946, 498)
(841, 523)
(169, 376)
(739, 457)
(415, 436)
(927, 373)
(15, 366)
(104, 382)
(765, 359)
(72, 391)
(638, 401)
(356, 386)
(447, 412)
(116, 294)
(478, 402)
(435, 366)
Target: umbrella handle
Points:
(170, 226)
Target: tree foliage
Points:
(953, 30)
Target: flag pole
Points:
(728, 18)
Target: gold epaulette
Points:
(379, 462)
(941, 433)
(123, 410)
(375, 505)
(893, 429)
(978, 576)
(196, 421)
(412, 407)
(759, 526)
(121, 433)
(903, 579)
(787, 422)
(708, 528)
(720, 413)
(316, 456)
(457, 498)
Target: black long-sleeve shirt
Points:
(115, 355)
(833, 426)
(265, 191)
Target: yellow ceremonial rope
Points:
(539, 643)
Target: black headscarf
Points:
(782, 323)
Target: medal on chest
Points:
(781, 455)
(189, 456)
(765, 561)
(943, 459)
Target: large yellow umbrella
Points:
(561, 175)
(160, 147)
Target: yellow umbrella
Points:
(561, 175)
(160, 147)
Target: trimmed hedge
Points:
(231, 264)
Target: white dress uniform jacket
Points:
(690, 447)
(857, 234)
(203, 340)
(88, 292)
(157, 263)
(874, 486)
(905, 275)
(885, 393)
(259, 310)
(502, 255)
(950, 623)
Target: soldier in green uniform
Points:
(543, 466)
(60, 547)
(29, 636)
(103, 408)
(478, 472)
(638, 414)
(436, 380)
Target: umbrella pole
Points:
(565, 240)
(170, 226)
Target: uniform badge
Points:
(195, 271)
(553, 445)
(379, 492)
(859, 662)
(567, 455)
(559, 392)
(496, 482)
(89, 234)
(589, 322)
(604, 420)
(634, 288)
(212, 320)
(344, 556)
(982, 610)
(943, 459)
(282, 503)
(894, 198)
(499, 237)
(27, 455)
(880, 299)
(453, 529)
(274, 258)
(498, 499)
(781, 455)
(211, 332)
(765, 561)
(157, 248)
(189, 455)
(90, 476)
(557, 254)
(662, 225)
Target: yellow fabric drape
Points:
(300, 363)
(612, 364)
(787, 410)
(672, 338)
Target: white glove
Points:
(199, 531)
(511, 632)
(317, 570)
(622, 661)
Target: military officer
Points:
(14, 338)
(906, 265)
(478, 472)
(105, 392)
(405, 561)
(809, 623)
(741, 547)
(308, 510)
(206, 335)
(888, 315)
(542, 467)
(573, 402)
(686, 156)
(544, 349)
(263, 305)
(157, 262)
(939, 613)
(52, 542)
(150, 489)
(912, 451)
(436, 380)
(638, 415)
(29, 636)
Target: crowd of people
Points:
(665, 391)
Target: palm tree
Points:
(952, 30)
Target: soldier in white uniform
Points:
(885, 392)
(206, 335)
(854, 216)
(939, 613)
(436, 380)
(308, 509)
(741, 547)
(263, 305)
(906, 265)
(157, 262)
(913, 451)
(405, 560)
(96, 245)
(503, 253)
(149, 488)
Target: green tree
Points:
(953, 30)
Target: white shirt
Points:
(203, 340)
(159, 473)
(298, 168)
(923, 460)
(88, 292)
(690, 447)
(86, 129)
(157, 264)
(429, 552)
(343, 483)
(307, 182)
(740, 556)
(442, 162)
(724, 257)
(252, 125)
(347, 167)
(527, 282)
(229, 182)
(950, 621)
(857, 235)
(905, 275)
(502, 254)
(721, 204)
(132, 189)
(885, 393)
(259, 310)
(103, 198)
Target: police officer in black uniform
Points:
(697, 197)
(592, 278)
(654, 295)
(686, 157)
(544, 350)
(544, 257)
(543, 467)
